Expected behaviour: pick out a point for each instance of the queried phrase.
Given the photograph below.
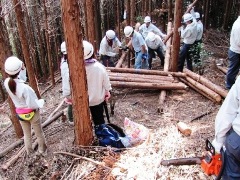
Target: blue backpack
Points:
(108, 136)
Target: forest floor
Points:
(141, 162)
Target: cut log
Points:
(137, 85)
(169, 35)
(206, 82)
(163, 93)
(222, 69)
(182, 161)
(129, 79)
(184, 129)
(120, 61)
(198, 90)
(142, 76)
(144, 71)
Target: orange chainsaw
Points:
(211, 163)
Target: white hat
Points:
(147, 19)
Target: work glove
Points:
(124, 48)
(144, 56)
(107, 95)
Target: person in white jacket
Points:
(233, 54)
(147, 27)
(189, 35)
(26, 105)
(98, 84)
(227, 132)
(66, 91)
(155, 44)
(109, 48)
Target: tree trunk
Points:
(71, 20)
(97, 21)
(132, 16)
(24, 43)
(4, 54)
(226, 14)
(170, 9)
(206, 13)
(176, 36)
(50, 63)
(90, 22)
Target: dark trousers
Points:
(97, 114)
(107, 61)
(232, 157)
(151, 53)
(233, 68)
(185, 53)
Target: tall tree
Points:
(176, 36)
(90, 21)
(73, 37)
(24, 43)
(4, 54)
(50, 63)
(132, 15)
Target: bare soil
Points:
(141, 162)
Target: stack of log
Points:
(205, 87)
(145, 79)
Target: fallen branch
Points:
(84, 158)
(201, 115)
(222, 69)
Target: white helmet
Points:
(13, 65)
(151, 36)
(88, 49)
(187, 17)
(147, 19)
(63, 48)
(197, 15)
(110, 34)
(128, 31)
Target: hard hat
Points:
(187, 17)
(63, 48)
(147, 19)
(151, 36)
(110, 34)
(128, 31)
(88, 49)
(13, 65)
(197, 15)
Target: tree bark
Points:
(226, 14)
(170, 9)
(50, 63)
(71, 21)
(24, 43)
(176, 36)
(120, 61)
(90, 21)
(4, 54)
(206, 14)
(132, 17)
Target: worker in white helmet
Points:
(139, 46)
(66, 90)
(109, 49)
(155, 44)
(98, 84)
(147, 27)
(189, 35)
(26, 105)
(198, 42)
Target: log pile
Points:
(145, 79)
(205, 87)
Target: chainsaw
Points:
(211, 163)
